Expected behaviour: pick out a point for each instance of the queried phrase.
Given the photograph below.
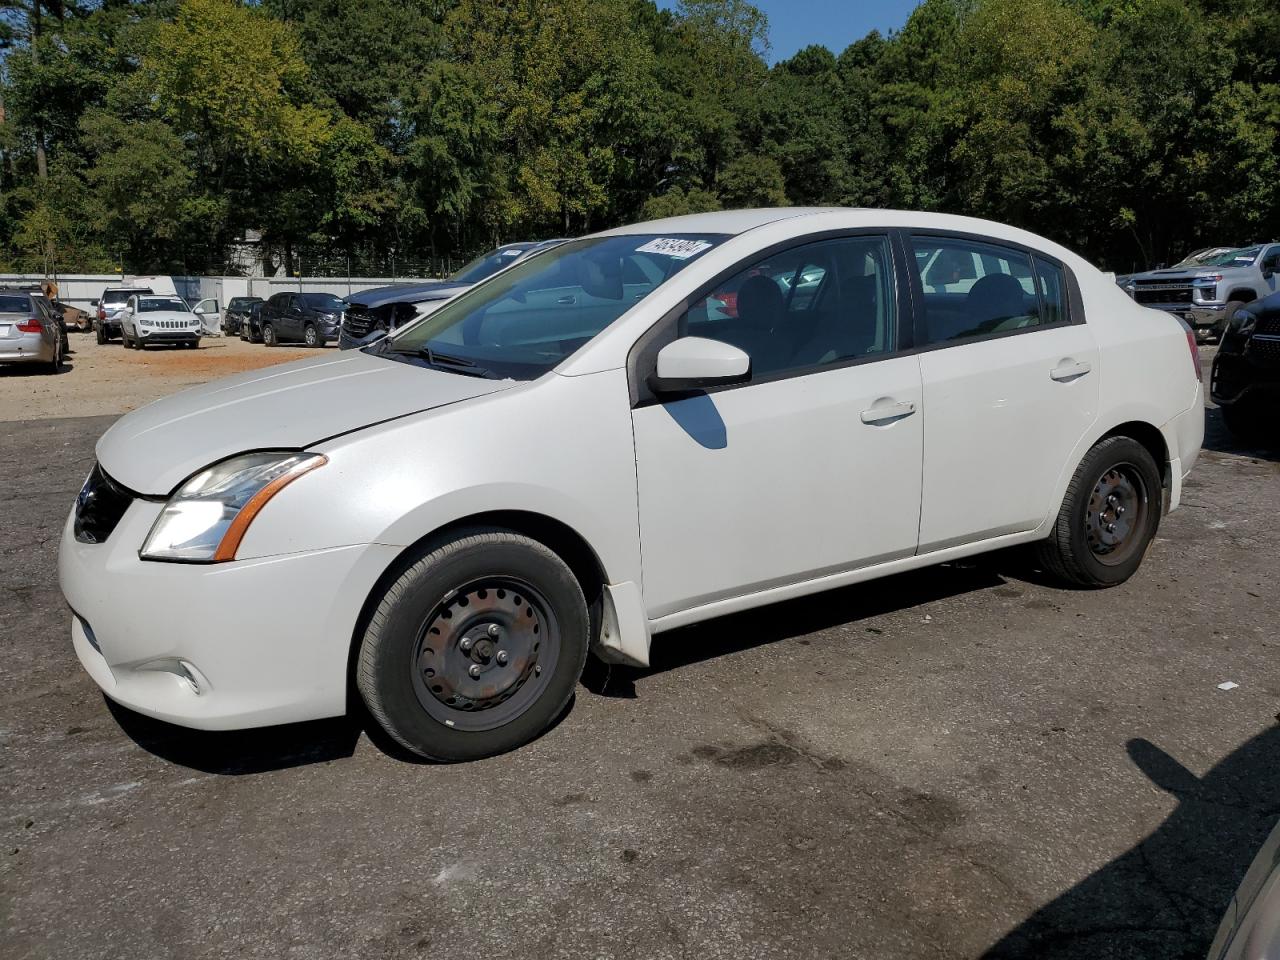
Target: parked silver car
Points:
(29, 331)
(1251, 928)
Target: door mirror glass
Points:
(695, 363)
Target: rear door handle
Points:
(1069, 370)
(884, 412)
(567, 301)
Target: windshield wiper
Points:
(445, 361)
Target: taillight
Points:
(102, 314)
(30, 326)
(1195, 354)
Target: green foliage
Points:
(156, 132)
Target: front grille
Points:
(1162, 293)
(1268, 324)
(360, 321)
(1264, 350)
(169, 324)
(99, 507)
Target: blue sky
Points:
(835, 24)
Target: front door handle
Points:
(885, 411)
(567, 301)
(1069, 370)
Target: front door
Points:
(812, 467)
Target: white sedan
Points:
(631, 432)
(149, 319)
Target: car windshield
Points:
(117, 296)
(486, 265)
(152, 304)
(322, 301)
(15, 304)
(1234, 258)
(530, 318)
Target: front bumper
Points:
(26, 348)
(216, 646)
(168, 336)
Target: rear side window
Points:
(1051, 287)
(15, 305)
(974, 289)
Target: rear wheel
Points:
(55, 365)
(269, 335)
(476, 648)
(1108, 517)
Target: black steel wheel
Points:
(475, 648)
(1108, 517)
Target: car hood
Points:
(291, 406)
(407, 293)
(150, 316)
(1184, 273)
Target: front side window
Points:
(974, 289)
(809, 306)
(530, 318)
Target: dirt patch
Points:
(106, 378)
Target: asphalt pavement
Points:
(960, 761)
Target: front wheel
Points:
(102, 334)
(1108, 517)
(311, 336)
(475, 649)
(269, 335)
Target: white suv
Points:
(628, 433)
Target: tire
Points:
(1228, 312)
(54, 366)
(102, 334)
(1092, 544)
(269, 335)
(311, 336)
(481, 590)
(1248, 423)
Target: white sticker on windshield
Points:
(673, 247)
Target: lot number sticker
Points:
(672, 247)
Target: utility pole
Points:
(42, 162)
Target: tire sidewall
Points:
(1098, 461)
(268, 335)
(385, 679)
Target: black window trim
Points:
(1074, 301)
(642, 358)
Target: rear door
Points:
(1011, 384)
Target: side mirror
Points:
(695, 363)
(198, 311)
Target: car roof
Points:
(720, 221)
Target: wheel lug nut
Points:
(494, 630)
(537, 670)
(502, 658)
(1111, 528)
(475, 670)
(465, 644)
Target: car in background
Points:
(583, 452)
(152, 319)
(236, 314)
(1245, 380)
(1206, 294)
(1250, 929)
(29, 330)
(107, 323)
(379, 310)
(310, 318)
(251, 329)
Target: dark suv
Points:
(310, 318)
(237, 314)
(1246, 372)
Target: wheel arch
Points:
(1243, 294)
(556, 535)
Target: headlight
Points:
(206, 519)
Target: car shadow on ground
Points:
(1220, 440)
(1165, 897)
(34, 370)
(239, 752)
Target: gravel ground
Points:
(106, 378)
(956, 762)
